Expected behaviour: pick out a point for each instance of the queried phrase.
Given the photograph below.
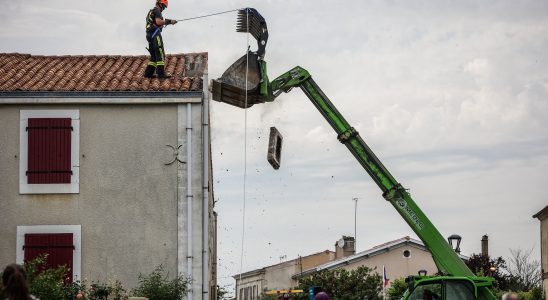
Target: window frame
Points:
(76, 231)
(52, 188)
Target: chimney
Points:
(345, 247)
(485, 245)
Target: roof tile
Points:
(25, 72)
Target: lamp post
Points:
(455, 238)
(355, 220)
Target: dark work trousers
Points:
(156, 49)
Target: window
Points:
(57, 246)
(61, 242)
(49, 151)
(406, 253)
(429, 291)
(459, 290)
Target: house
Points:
(542, 215)
(251, 284)
(106, 171)
(401, 258)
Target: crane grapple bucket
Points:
(231, 87)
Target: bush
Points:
(157, 286)
(533, 294)
(357, 284)
(50, 284)
(396, 289)
(95, 291)
(45, 284)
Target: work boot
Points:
(149, 71)
(161, 72)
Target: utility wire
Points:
(245, 155)
(205, 16)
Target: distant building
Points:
(401, 258)
(542, 215)
(278, 276)
(106, 171)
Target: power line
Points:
(205, 16)
(245, 160)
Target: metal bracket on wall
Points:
(175, 155)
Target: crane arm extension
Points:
(447, 261)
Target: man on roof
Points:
(155, 23)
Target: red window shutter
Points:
(49, 153)
(58, 246)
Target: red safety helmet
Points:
(162, 2)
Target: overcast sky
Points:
(451, 95)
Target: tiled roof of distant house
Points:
(379, 249)
(97, 73)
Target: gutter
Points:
(128, 95)
(189, 195)
(205, 190)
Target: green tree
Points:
(222, 293)
(484, 265)
(158, 286)
(358, 284)
(396, 289)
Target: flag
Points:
(384, 277)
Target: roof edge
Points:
(105, 97)
(541, 212)
(376, 250)
(249, 273)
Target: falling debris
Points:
(274, 156)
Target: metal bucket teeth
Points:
(249, 20)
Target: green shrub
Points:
(117, 291)
(357, 284)
(45, 284)
(50, 284)
(396, 289)
(73, 289)
(533, 294)
(158, 286)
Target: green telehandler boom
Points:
(456, 281)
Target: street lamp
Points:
(355, 220)
(455, 238)
(492, 270)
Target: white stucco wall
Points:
(398, 266)
(544, 251)
(127, 204)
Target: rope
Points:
(205, 16)
(245, 153)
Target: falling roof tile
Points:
(37, 73)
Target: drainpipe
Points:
(189, 196)
(205, 191)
